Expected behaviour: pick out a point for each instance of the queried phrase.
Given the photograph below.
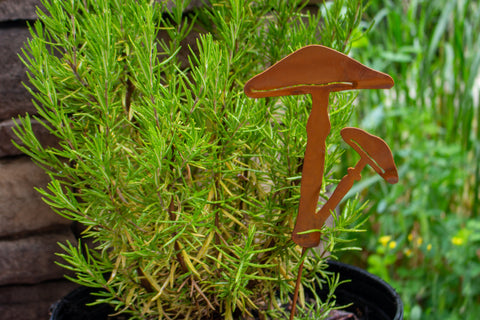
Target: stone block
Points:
(32, 259)
(32, 302)
(14, 98)
(7, 149)
(22, 210)
(11, 10)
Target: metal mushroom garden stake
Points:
(315, 70)
(318, 70)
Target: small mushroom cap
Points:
(373, 150)
(313, 66)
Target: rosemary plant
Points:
(188, 190)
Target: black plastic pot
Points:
(370, 297)
(74, 306)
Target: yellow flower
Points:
(410, 237)
(392, 245)
(384, 240)
(429, 247)
(457, 241)
(408, 252)
(419, 241)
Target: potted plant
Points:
(187, 189)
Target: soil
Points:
(342, 315)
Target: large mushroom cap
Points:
(314, 66)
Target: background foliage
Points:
(423, 232)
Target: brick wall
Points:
(30, 281)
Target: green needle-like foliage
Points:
(188, 190)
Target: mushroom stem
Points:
(340, 191)
(318, 128)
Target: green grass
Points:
(430, 120)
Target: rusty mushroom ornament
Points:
(314, 70)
